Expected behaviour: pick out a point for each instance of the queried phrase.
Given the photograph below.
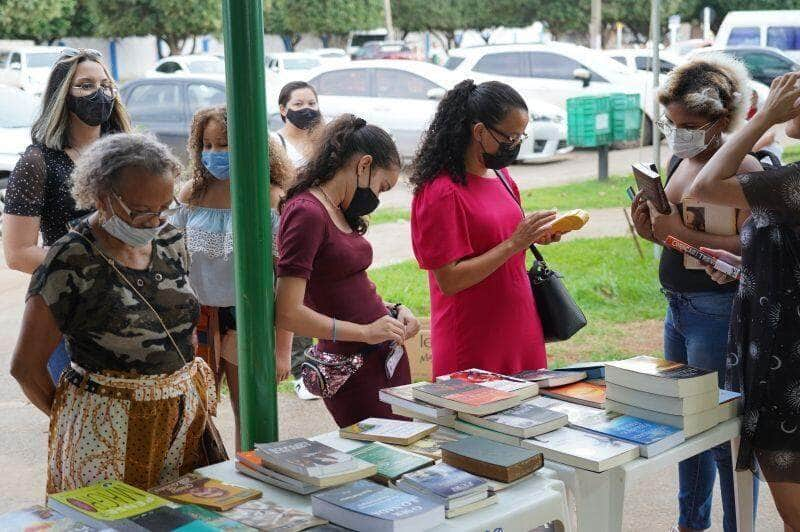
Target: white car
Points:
(17, 112)
(28, 67)
(331, 55)
(293, 65)
(402, 96)
(642, 59)
(554, 72)
(778, 29)
(201, 65)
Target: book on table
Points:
(205, 519)
(575, 413)
(269, 516)
(677, 406)
(463, 396)
(460, 492)
(491, 459)
(387, 431)
(403, 397)
(482, 432)
(585, 393)
(313, 462)
(392, 463)
(593, 370)
(691, 425)
(186, 518)
(730, 405)
(661, 377)
(249, 464)
(430, 445)
(546, 378)
(415, 416)
(365, 505)
(206, 492)
(522, 421)
(39, 519)
(105, 504)
(521, 388)
(652, 438)
(584, 450)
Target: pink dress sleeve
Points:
(439, 228)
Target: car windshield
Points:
(784, 38)
(361, 40)
(300, 63)
(207, 67)
(17, 108)
(42, 59)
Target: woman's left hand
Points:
(409, 321)
(665, 225)
(549, 239)
(283, 365)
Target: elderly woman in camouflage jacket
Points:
(135, 405)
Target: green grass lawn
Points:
(616, 289)
(791, 154)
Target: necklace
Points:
(327, 198)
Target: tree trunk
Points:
(194, 44)
(287, 42)
(326, 39)
(296, 38)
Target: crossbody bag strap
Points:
(135, 291)
(533, 249)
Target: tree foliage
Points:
(40, 20)
(635, 14)
(561, 17)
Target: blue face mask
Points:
(217, 163)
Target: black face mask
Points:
(304, 118)
(505, 155)
(93, 109)
(364, 201)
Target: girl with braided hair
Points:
(323, 289)
(469, 233)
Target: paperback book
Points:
(214, 520)
(460, 492)
(661, 377)
(676, 406)
(730, 405)
(483, 432)
(430, 445)
(305, 457)
(387, 431)
(690, 425)
(463, 396)
(519, 387)
(522, 421)
(546, 378)
(491, 459)
(585, 450)
(269, 516)
(442, 421)
(652, 438)
(576, 414)
(40, 519)
(403, 397)
(583, 393)
(273, 478)
(392, 462)
(593, 370)
(206, 492)
(364, 505)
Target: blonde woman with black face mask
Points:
(80, 104)
(704, 99)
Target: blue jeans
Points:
(696, 333)
(58, 361)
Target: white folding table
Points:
(600, 497)
(534, 501)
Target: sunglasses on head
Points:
(73, 52)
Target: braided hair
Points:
(445, 143)
(343, 139)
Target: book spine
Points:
(476, 467)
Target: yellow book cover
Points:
(109, 500)
(207, 492)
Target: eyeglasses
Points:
(506, 138)
(667, 127)
(141, 218)
(73, 52)
(86, 88)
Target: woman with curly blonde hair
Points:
(205, 216)
(704, 99)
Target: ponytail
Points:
(445, 143)
(344, 138)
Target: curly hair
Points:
(281, 169)
(343, 139)
(445, 143)
(97, 171)
(714, 85)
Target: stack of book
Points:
(431, 446)
(582, 449)
(668, 393)
(460, 492)
(513, 425)
(546, 378)
(524, 389)
(387, 431)
(588, 393)
(403, 403)
(490, 459)
(462, 396)
(392, 462)
(302, 466)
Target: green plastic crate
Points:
(626, 117)
(589, 121)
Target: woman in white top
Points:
(300, 112)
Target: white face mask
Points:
(135, 237)
(687, 143)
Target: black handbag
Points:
(561, 317)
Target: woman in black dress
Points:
(80, 104)
(764, 350)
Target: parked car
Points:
(777, 29)
(331, 55)
(402, 96)
(17, 112)
(359, 38)
(165, 105)
(384, 50)
(201, 65)
(642, 59)
(764, 64)
(554, 72)
(27, 67)
(292, 64)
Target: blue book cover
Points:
(445, 480)
(594, 370)
(636, 430)
(727, 395)
(368, 498)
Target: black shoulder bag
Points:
(561, 317)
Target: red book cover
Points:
(482, 395)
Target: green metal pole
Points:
(243, 25)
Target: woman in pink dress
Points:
(469, 233)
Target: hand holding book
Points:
(665, 224)
(726, 257)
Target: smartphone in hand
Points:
(631, 193)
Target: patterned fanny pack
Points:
(325, 373)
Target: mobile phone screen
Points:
(631, 193)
